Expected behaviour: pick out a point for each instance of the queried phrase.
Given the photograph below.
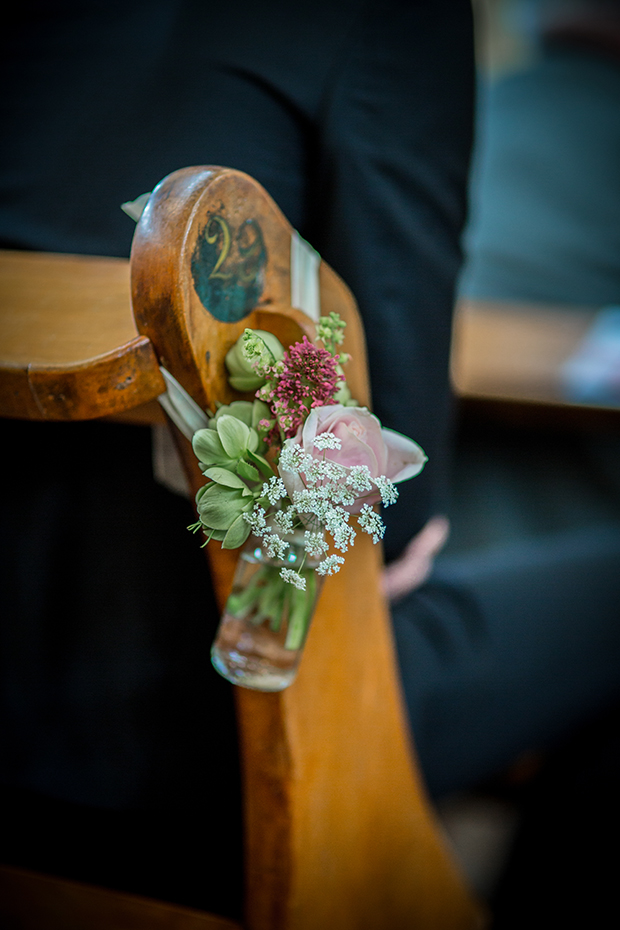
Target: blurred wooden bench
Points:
(507, 359)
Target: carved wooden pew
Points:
(339, 832)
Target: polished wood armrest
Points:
(64, 317)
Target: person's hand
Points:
(415, 564)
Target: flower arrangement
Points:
(292, 476)
(330, 460)
(299, 471)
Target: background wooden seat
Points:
(339, 832)
(508, 357)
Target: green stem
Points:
(302, 603)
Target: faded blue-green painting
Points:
(228, 268)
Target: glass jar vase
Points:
(262, 632)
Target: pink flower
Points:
(309, 378)
(363, 441)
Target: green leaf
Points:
(201, 491)
(253, 440)
(217, 535)
(224, 477)
(219, 507)
(240, 409)
(208, 447)
(261, 463)
(237, 534)
(234, 435)
(247, 471)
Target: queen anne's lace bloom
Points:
(337, 524)
(370, 522)
(273, 490)
(315, 544)
(358, 478)
(284, 520)
(327, 441)
(275, 546)
(330, 565)
(387, 490)
(287, 574)
(256, 519)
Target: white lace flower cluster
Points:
(318, 506)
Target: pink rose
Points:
(363, 442)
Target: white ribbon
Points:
(181, 408)
(305, 290)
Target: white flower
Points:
(287, 574)
(291, 457)
(370, 522)
(312, 501)
(284, 520)
(337, 523)
(359, 478)
(315, 544)
(275, 546)
(363, 442)
(273, 490)
(256, 519)
(342, 496)
(327, 441)
(387, 490)
(330, 565)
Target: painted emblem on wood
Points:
(228, 268)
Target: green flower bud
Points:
(343, 394)
(240, 409)
(255, 348)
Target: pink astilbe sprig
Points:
(307, 377)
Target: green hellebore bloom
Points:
(209, 450)
(226, 440)
(220, 506)
(235, 436)
(242, 375)
(249, 412)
